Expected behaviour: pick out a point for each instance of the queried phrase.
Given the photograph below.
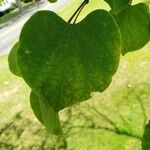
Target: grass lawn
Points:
(112, 120)
(7, 17)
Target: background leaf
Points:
(134, 24)
(35, 105)
(45, 114)
(118, 5)
(52, 1)
(12, 61)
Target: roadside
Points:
(9, 32)
(13, 13)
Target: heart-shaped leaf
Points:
(12, 60)
(63, 63)
(146, 138)
(118, 5)
(45, 114)
(134, 24)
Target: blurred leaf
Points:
(146, 138)
(134, 24)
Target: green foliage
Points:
(63, 63)
(118, 5)
(13, 61)
(119, 102)
(45, 114)
(66, 66)
(146, 138)
(52, 1)
(134, 24)
(26, 1)
(35, 105)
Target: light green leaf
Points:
(12, 60)
(45, 114)
(118, 5)
(146, 138)
(134, 24)
(65, 62)
(35, 105)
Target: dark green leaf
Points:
(146, 138)
(45, 114)
(12, 60)
(134, 24)
(118, 5)
(64, 63)
(52, 1)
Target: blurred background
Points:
(112, 120)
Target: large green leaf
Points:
(118, 5)
(146, 138)
(64, 63)
(134, 24)
(45, 114)
(12, 60)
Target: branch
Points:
(77, 12)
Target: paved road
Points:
(11, 33)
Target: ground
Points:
(112, 120)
